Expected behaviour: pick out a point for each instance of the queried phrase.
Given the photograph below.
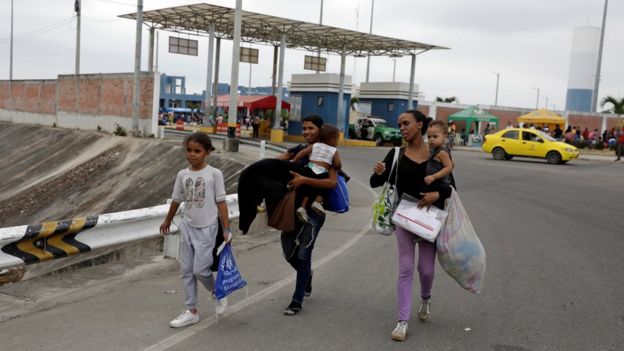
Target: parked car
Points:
(507, 143)
(370, 128)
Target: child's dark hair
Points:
(200, 138)
(441, 124)
(420, 117)
(328, 132)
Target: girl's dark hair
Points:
(328, 132)
(440, 123)
(200, 138)
(420, 117)
(314, 119)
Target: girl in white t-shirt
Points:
(322, 155)
(201, 188)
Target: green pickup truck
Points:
(370, 128)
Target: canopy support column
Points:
(215, 89)
(280, 82)
(207, 101)
(410, 100)
(274, 76)
(340, 117)
(233, 112)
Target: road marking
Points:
(257, 297)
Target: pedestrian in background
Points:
(255, 124)
(201, 188)
(412, 169)
(619, 148)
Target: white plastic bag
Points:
(460, 252)
(424, 222)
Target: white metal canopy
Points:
(267, 29)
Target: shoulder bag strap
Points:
(394, 164)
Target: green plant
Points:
(618, 105)
(54, 125)
(119, 130)
(99, 128)
(449, 99)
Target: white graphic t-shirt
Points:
(200, 191)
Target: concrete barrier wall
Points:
(92, 100)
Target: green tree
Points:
(617, 105)
(447, 99)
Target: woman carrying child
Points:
(413, 179)
(201, 188)
(322, 156)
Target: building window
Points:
(320, 100)
(390, 106)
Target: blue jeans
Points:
(301, 258)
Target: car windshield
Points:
(545, 136)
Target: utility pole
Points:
(599, 62)
(537, 99)
(137, 69)
(370, 32)
(11, 54)
(78, 10)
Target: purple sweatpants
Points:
(426, 264)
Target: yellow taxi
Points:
(507, 143)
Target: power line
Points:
(38, 31)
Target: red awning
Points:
(252, 102)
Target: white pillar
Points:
(280, 83)
(410, 99)
(207, 101)
(433, 111)
(234, 76)
(340, 117)
(604, 123)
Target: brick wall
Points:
(97, 94)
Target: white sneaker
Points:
(302, 214)
(424, 311)
(318, 208)
(185, 318)
(400, 331)
(220, 304)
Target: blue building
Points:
(318, 94)
(386, 100)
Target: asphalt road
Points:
(553, 237)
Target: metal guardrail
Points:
(30, 244)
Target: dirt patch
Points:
(54, 174)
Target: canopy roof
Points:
(473, 114)
(542, 116)
(260, 28)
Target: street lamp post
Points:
(538, 95)
(497, 81)
(546, 102)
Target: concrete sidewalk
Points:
(114, 306)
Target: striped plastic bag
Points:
(460, 252)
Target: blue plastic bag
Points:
(229, 278)
(338, 197)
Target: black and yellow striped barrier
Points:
(49, 240)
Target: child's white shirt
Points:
(322, 153)
(200, 191)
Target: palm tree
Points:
(448, 99)
(618, 105)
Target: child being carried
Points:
(323, 156)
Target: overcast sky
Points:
(527, 41)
